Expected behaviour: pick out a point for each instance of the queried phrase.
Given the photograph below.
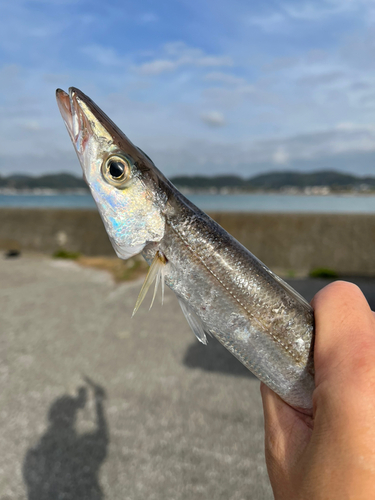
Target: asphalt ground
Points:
(96, 405)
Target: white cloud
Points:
(286, 88)
(102, 55)
(350, 127)
(322, 78)
(310, 11)
(157, 67)
(332, 149)
(348, 147)
(212, 61)
(268, 22)
(230, 97)
(32, 125)
(180, 55)
(313, 11)
(280, 156)
(213, 118)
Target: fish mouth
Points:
(88, 124)
(63, 102)
(77, 119)
(83, 119)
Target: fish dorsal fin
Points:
(195, 323)
(156, 272)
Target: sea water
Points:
(216, 202)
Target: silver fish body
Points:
(223, 289)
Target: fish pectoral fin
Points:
(156, 272)
(195, 323)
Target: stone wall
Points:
(288, 242)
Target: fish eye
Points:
(116, 170)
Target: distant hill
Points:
(273, 181)
(330, 178)
(277, 181)
(203, 182)
(61, 182)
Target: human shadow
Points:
(213, 357)
(65, 464)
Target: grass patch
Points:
(121, 270)
(323, 272)
(65, 254)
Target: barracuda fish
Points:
(222, 288)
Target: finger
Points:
(345, 332)
(287, 431)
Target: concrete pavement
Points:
(97, 405)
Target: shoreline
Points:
(224, 192)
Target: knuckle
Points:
(343, 287)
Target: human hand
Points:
(331, 454)
(99, 391)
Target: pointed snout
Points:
(86, 122)
(75, 118)
(63, 102)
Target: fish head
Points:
(131, 194)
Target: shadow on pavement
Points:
(65, 464)
(213, 357)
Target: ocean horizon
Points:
(257, 202)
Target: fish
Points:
(224, 290)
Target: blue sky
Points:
(211, 87)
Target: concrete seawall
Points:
(288, 242)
